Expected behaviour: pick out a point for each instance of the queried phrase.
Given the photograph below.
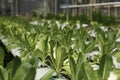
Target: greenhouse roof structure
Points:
(114, 4)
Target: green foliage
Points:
(61, 46)
(117, 55)
(117, 72)
(42, 49)
(3, 73)
(88, 72)
(17, 70)
(104, 19)
(2, 55)
(26, 71)
(106, 64)
(13, 66)
(57, 57)
(75, 69)
(97, 16)
(56, 17)
(84, 19)
(48, 75)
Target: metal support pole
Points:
(115, 11)
(12, 8)
(44, 7)
(55, 7)
(91, 10)
(67, 15)
(109, 11)
(17, 11)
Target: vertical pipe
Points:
(115, 11)
(79, 11)
(17, 12)
(108, 10)
(67, 14)
(91, 2)
(55, 7)
(12, 14)
(75, 8)
(45, 7)
(72, 8)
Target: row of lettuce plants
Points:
(70, 50)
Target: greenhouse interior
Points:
(59, 39)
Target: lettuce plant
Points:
(17, 70)
(58, 55)
(41, 50)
